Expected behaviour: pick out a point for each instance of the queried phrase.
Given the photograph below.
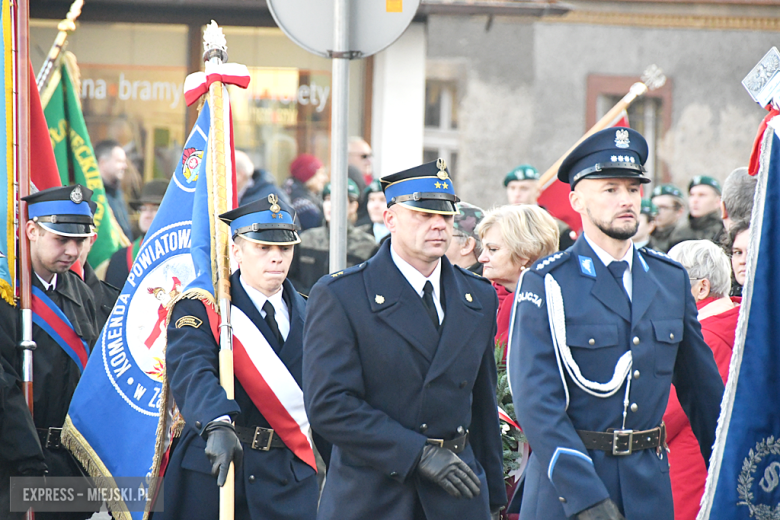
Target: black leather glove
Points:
(443, 467)
(32, 468)
(222, 448)
(604, 510)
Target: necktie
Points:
(427, 299)
(617, 269)
(270, 319)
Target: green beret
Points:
(706, 181)
(667, 189)
(524, 172)
(374, 187)
(352, 190)
(648, 208)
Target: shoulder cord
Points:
(555, 313)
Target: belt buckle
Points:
(53, 443)
(256, 444)
(436, 442)
(622, 434)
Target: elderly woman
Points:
(513, 238)
(710, 274)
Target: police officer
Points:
(601, 332)
(704, 218)
(59, 226)
(272, 482)
(522, 187)
(399, 372)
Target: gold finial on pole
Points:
(65, 27)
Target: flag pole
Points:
(215, 54)
(652, 79)
(65, 27)
(23, 74)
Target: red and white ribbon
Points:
(271, 387)
(198, 83)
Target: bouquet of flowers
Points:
(515, 444)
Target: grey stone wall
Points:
(522, 92)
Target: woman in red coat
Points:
(710, 273)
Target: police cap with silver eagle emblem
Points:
(426, 188)
(267, 221)
(608, 154)
(63, 210)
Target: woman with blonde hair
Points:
(513, 238)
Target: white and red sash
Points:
(270, 385)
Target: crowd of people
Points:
(393, 358)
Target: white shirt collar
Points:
(281, 312)
(48, 285)
(417, 280)
(607, 259)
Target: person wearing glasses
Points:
(668, 200)
(360, 156)
(710, 274)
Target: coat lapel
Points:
(397, 304)
(645, 287)
(605, 287)
(460, 316)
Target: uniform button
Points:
(393, 474)
(563, 500)
(198, 425)
(460, 429)
(591, 341)
(636, 340)
(251, 478)
(636, 374)
(423, 427)
(634, 407)
(671, 336)
(463, 384)
(285, 481)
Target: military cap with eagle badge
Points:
(63, 210)
(266, 221)
(427, 188)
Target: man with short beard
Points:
(601, 332)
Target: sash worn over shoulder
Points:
(50, 318)
(270, 385)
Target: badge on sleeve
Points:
(587, 267)
(189, 321)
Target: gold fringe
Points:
(7, 292)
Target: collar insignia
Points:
(76, 195)
(379, 299)
(469, 298)
(587, 267)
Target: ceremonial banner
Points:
(744, 474)
(75, 156)
(7, 204)
(114, 424)
(555, 196)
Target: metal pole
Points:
(338, 136)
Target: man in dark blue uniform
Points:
(272, 481)
(601, 331)
(399, 372)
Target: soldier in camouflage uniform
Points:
(704, 218)
(668, 200)
(311, 258)
(466, 246)
(522, 187)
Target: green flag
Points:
(75, 156)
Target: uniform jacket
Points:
(307, 205)
(379, 380)
(311, 259)
(707, 227)
(662, 331)
(270, 485)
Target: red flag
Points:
(43, 166)
(555, 196)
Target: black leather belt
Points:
(455, 445)
(262, 439)
(624, 442)
(50, 438)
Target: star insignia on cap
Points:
(445, 185)
(438, 185)
(76, 196)
(379, 299)
(469, 298)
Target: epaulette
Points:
(652, 253)
(547, 264)
(472, 274)
(345, 272)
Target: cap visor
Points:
(441, 207)
(68, 230)
(273, 237)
